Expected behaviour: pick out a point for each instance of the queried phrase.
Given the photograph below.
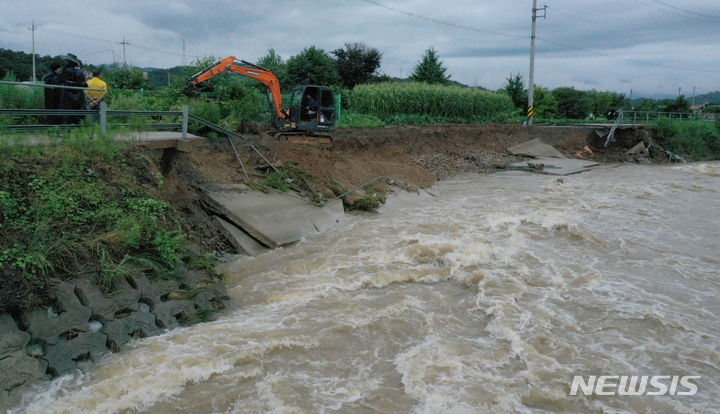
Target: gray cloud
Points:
(583, 44)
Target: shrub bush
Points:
(698, 140)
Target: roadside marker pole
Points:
(103, 118)
(185, 112)
(531, 85)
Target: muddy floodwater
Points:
(487, 294)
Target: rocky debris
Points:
(446, 165)
(639, 149)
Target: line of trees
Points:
(355, 64)
(571, 103)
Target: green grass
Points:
(696, 140)
(81, 208)
(277, 180)
(357, 120)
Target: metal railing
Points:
(618, 122)
(647, 117)
(101, 115)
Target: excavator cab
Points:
(312, 109)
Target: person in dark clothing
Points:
(52, 95)
(72, 75)
(311, 106)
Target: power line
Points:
(661, 9)
(641, 62)
(442, 22)
(97, 39)
(710, 16)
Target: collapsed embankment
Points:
(68, 318)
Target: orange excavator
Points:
(309, 118)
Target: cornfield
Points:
(384, 100)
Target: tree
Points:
(516, 90)
(356, 63)
(572, 103)
(312, 66)
(126, 77)
(646, 105)
(680, 104)
(278, 67)
(430, 69)
(605, 102)
(546, 106)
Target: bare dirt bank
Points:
(410, 156)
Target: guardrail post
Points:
(103, 117)
(185, 112)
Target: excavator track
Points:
(306, 138)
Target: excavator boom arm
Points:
(230, 64)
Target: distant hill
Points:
(20, 64)
(712, 97)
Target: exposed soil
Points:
(409, 157)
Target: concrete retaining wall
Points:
(84, 323)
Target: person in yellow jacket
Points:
(95, 97)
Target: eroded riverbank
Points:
(408, 158)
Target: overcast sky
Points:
(651, 47)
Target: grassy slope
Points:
(88, 207)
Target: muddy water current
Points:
(487, 294)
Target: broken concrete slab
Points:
(555, 166)
(535, 148)
(273, 219)
(240, 240)
(638, 149)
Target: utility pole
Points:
(184, 59)
(693, 98)
(531, 85)
(123, 43)
(32, 28)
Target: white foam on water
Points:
(487, 298)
